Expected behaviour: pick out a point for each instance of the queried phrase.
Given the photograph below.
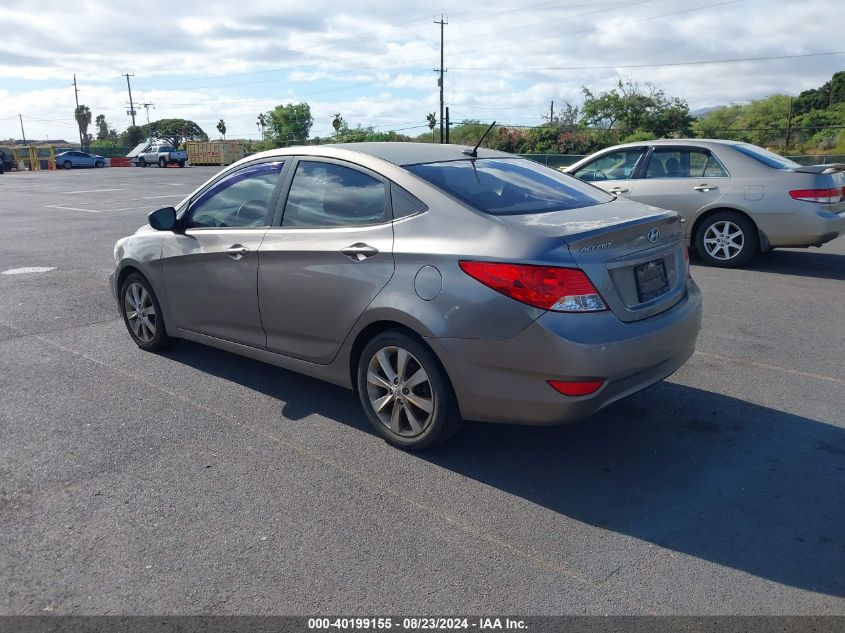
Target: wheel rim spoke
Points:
(394, 417)
(418, 378)
(382, 402)
(422, 403)
(414, 423)
(384, 361)
(375, 379)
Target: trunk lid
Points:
(634, 254)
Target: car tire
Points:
(148, 333)
(99, 164)
(162, 162)
(2, 168)
(726, 239)
(409, 409)
(181, 163)
(142, 162)
(67, 165)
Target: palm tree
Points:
(221, 127)
(82, 114)
(262, 123)
(432, 121)
(336, 124)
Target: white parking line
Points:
(169, 195)
(96, 190)
(56, 206)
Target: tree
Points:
(174, 131)
(102, 127)
(82, 114)
(630, 108)
(132, 136)
(221, 127)
(337, 123)
(827, 95)
(431, 117)
(290, 124)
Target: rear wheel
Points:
(405, 393)
(726, 239)
(142, 314)
(181, 163)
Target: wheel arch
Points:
(762, 240)
(131, 266)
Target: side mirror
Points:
(163, 219)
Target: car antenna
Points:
(474, 151)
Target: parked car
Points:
(437, 284)
(75, 158)
(162, 155)
(7, 162)
(736, 199)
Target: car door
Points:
(211, 268)
(325, 259)
(614, 170)
(682, 179)
(81, 159)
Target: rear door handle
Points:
(359, 252)
(617, 190)
(237, 251)
(706, 188)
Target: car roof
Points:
(695, 142)
(398, 153)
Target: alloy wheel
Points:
(140, 312)
(400, 392)
(723, 240)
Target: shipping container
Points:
(214, 152)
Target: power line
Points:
(661, 65)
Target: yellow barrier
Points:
(30, 157)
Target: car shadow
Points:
(804, 263)
(725, 480)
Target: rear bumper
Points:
(506, 380)
(810, 227)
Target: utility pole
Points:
(442, 22)
(788, 125)
(76, 96)
(23, 134)
(447, 124)
(552, 112)
(131, 105)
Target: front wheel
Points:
(726, 239)
(405, 392)
(99, 164)
(142, 162)
(162, 162)
(67, 165)
(142, 314)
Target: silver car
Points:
(437, 282)
(736, 199)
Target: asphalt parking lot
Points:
(194, 481)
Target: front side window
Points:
(329, 195)
(509, 186)
(613, 166)
(683, 163)
(240, 200)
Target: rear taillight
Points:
(576, 387)
(547, 287)
(822, 196)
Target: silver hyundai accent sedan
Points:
(440, 283)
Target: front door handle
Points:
(359, 252)
(237, 251)
(617, 190)
(705, 188)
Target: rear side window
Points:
(500, 186)
(327, 194)
(683, 163)
(770, 159)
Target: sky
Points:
(373, 61)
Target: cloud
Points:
(373, 62)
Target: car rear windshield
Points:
(501, 186)
(775, 161)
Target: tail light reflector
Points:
(546, 287)
(822, 196)
(576, 387)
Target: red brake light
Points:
(576, 387)
(822, 196)
(547, 287)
